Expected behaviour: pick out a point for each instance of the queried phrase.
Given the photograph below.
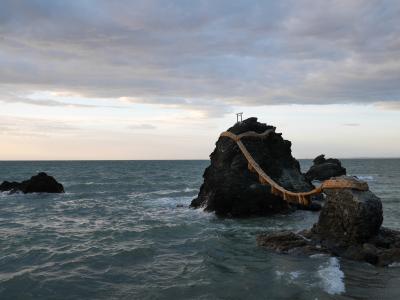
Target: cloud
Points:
(390, 105)
(10, 97)
(351, 124)
(203, 108)
(34, 127)
(204, 56)
(142, 126)
(48, 102)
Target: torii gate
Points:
(239, 116)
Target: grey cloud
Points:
(205, 55)
(7, 97)
(210, 109)
(45, 102)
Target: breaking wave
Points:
(332, 277)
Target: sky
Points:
(159, 79)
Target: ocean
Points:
(123, 230)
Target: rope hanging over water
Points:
(303, 198)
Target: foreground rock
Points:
(230, 189)
(41, 183)
(323, 169)
(349, 226)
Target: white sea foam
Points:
(318, 255)
(332, 277)
(394, 265)
(366, 177)
(294, 275)
(279, 274)
(289, 276)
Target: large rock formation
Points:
(230, 189)
(323, 169)
(349, 217)
(349, 226)
(41, 183)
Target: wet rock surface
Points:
(323, 169)
(349, 216)
(230, 189)
(40, 183)
(349, 226)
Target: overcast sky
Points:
(161, 79)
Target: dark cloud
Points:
(204, 55)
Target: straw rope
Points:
(302, 198)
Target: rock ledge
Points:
(323, 169)
(349, 226)
(40, 183)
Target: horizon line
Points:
(190, 159)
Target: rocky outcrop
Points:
(323, 169)
(349, 226)
(230, 189)
(41, 183)
(349, 217)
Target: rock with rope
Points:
(349, 226)
(323, 168)
(246, 160)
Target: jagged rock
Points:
(349, 216)
(349, 226)
(41, 183)
(230, 189)
(323, 169)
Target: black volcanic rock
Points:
(40, 183)
(323, 169)
(349, 216)
(230, 189)
(349, 226)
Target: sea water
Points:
(123, 230)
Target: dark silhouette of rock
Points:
(349, 226)
(40, 183)
(230, 189)
(323, 169)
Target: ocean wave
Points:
(394, 265)
(163, 193)
(332, 277)
(13, 194)
(366, 177)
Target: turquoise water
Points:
(117, 233)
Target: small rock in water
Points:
(323, 169)
(40, 183)
(349, 216)
(349, 226)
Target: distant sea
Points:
(120, 232)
